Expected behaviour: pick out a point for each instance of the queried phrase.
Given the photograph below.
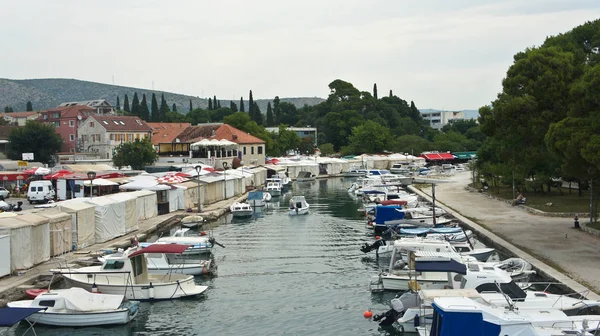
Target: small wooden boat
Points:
(192, 221)
(298, 206)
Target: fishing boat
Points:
(355, 172)
(305, 176)
(197, 243)
(258, 198)
(241, 210)
(298, 206)
(273, 187)
(165, 263)
(192, 221)
(128, 275)
(76, 307)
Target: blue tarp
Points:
(10, 316)
(421, 231)
(384, 213)
(255, 196)
(373, 192)
(440, 266)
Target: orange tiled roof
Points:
(19, 114)
(219, 132)
(163, 132)
(231, 133)
(69, 111)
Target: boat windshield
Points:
(114, 264)
(511, 289)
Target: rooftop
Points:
(163, 132)
(70, 111)
(121, 123)
(19, 114)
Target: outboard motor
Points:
(375, 246)
(389, 317)
(18, 207)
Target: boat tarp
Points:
(131, 215)
(176, 199)
(384, 213)
(145, 203)
(79, 299)
(40, 236)
(161, 248)
(190, 194)
(61, 223)
(83, 228)
(192, 219)
(21, 255)
(109, 218)
(450, 265)
(421, 231)
(10, 316)
(255, 196)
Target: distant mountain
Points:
(50, 92)
(468, 113)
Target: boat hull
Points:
(191, 270)
(297, 212)
(274, 193)
(242, 213)
(401, 283)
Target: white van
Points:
(40, 191)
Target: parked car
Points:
(4, 193)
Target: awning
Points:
(161, 248)
(465, 155)
(437, 156)
(10, 316)
(12, 176)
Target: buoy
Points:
(203, 233)
(368, 314)
(377, 237)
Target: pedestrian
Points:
(576, 222)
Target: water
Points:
(278, 275)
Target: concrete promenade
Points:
(531, 237)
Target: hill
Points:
(50, 92)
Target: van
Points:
(40, 191)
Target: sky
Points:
(444, 54)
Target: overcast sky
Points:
(449, 54)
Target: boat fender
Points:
(416, 321)
(151, 291)
(95, 289)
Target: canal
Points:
(277, 275)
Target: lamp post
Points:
(198, 169)
(225, 180)
(91, 175)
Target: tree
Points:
(306, 146)
(8, 109)
(126, 104)
(3, 122)
(118, 103)
(251, 107)
(391, 94)
(285, 140)
(327, 149)
(276, 110)
(242, 109)
(415, 114)
(144, 111)
(135, 105)
(258, 117)
(30, 106)
(233, 106)
(270, 122)
(35, 137)
(375, 91)
(215, 102)
(210, 104)
(164, 108)
(190, 106)
(137, 154)
(174, 108)
(154, 114)
(370, 137)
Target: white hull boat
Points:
(192, 221)
(159, 263)
(75, 307)
(197, 244)
(298, 206)
(241, 210)
(273, 188)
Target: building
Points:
(302, 132)
(166, 133)
(67, 120)
(438, 119)
(4, 133)
(101, 134)
(19, 118)
(102, 106)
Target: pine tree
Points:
(233, 106)
(8, 109)
(414, 111)
(118, 104)
(144, 111)
(375, 90)
(126, 104)
(258, 117)
(29, 106)
(242, 109)
(154, 114)
(174, 108)
(191, 107)
(164, 108)
(210, 107)
(251, 107)
(218, 104)
(270, 121)
(215, 103)
(276, 110)
(135, 105)
(391, 94)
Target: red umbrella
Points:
(208, 169)
(59, 174)
(29, 171)
(180, 174)
(170, 179)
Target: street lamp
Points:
(225, 180)
(91, 175)
(198, 169)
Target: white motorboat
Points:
(184, 236)
(285, 180)
(241, 210)
(355, 172)
(128, 275)
(273, 188)
(305, 176)
(298, 206)
(76, 307)
(192, 221)
(162, 263)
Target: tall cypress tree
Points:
(135, 105)
(391, 94)
(126, 104)
(118, 103)
(29, 106)
(174, 108)
(218, 104)
(270, 121)
(415, 114)
(191, 108)
(276, 110)
(233, 106)
(258, 117)
(164, 108)
(375, 90)
(144, 111)
(154, 114)
(210, 106)
(215, 103)
(242, 109)
(251, 106)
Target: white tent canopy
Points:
(149, 183)
(214, 143)
(100, 182)
(109, 218)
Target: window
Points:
(56, 123)
(114, 264)
(116, 122)
(47, 303)
(244, 150)
(138, 264)
(71, 137)
(91, 124)
(105, 122)
(45, 117)
(71, 123)
(252, 150)
(72, 150)
(56, 115)
(259, 149)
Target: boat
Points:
(128, 275)
(298, 206)
(395, 218)
(197, 243)
(273, 187)
(285, 180)
(258, 198)
(241, 210)
(355, 172)
(192, 221)
(305, 176)
(163, 263)
(76, 307)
